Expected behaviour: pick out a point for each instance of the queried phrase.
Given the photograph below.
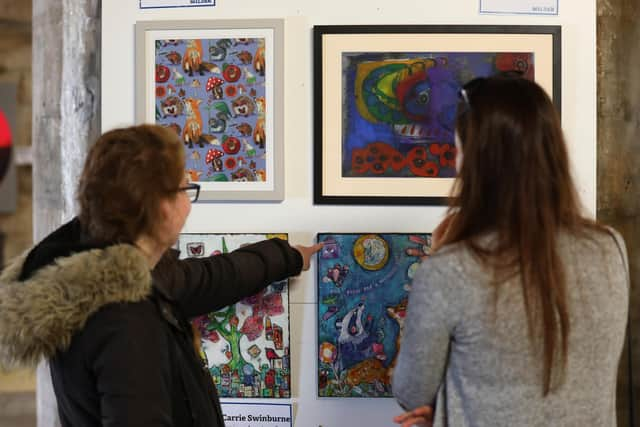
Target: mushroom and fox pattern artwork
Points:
(211, 92)
(245, 346)
(363, 287)
(399, 109)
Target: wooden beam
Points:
(66, 107)
(618, 176)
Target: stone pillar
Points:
(618, 191)
(66, 107)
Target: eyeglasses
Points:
(192, 190)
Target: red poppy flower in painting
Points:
(522, 62)
(397, 161)
(431, 169)
(446, 154)
(379, 157)
(359, 162)
(419, 163)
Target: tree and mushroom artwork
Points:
(399, 108)
(363, 287)
(244, 346)
(211, 92)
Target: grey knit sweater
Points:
(470, 354)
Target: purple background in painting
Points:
(436, 116)
(252, 155)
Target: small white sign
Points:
(152, 4)
(256, 414)
(525, 7)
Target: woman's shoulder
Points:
(456, 258)
(593, 248)
(593, 241)
(451, 264)
(450, 251)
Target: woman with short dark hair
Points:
(518, 318)
(108, 304)
(127, 173)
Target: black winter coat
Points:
(117, 336)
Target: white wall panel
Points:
(297, 215)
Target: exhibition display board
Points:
(290, 205)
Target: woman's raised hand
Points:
(307, 252)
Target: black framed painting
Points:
(385, 102)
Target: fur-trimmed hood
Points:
(40, 314)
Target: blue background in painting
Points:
(254, 87)
(388, 287)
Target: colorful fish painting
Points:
(400, 108)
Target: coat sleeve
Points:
(202, 285)
(133, 380)
(424, 348)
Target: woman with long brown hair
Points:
(519, 316)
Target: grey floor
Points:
(18, 409)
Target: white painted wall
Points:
(297, 215)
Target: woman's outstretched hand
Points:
(307, 252)
(420, 417)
